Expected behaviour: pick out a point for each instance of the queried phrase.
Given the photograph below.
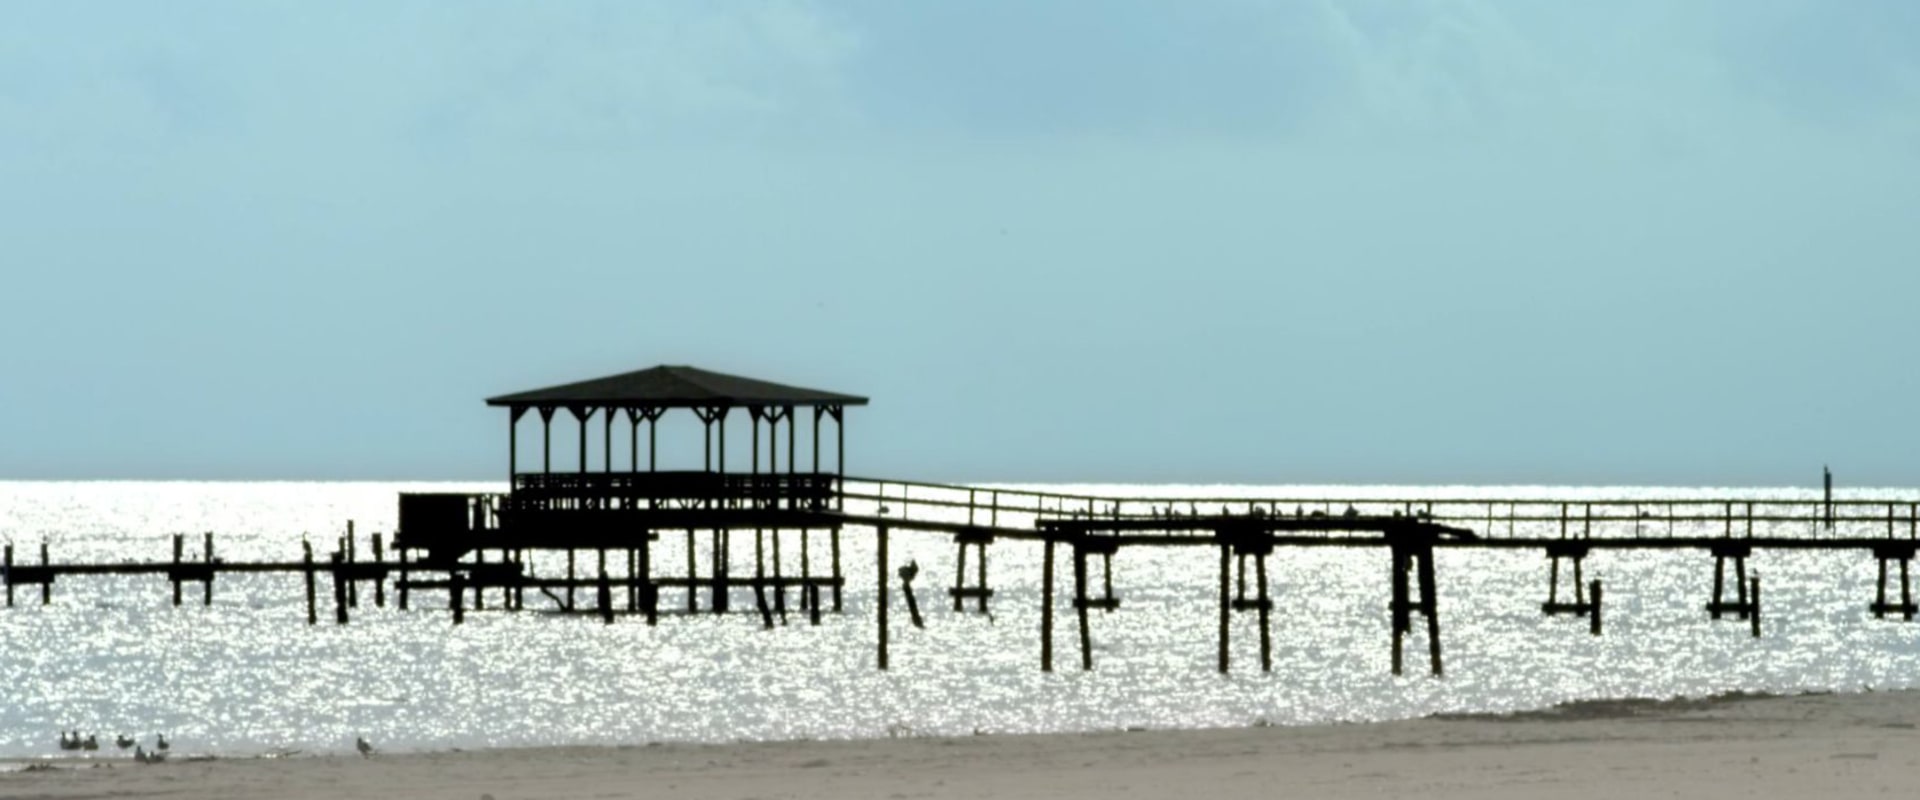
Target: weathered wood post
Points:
(605, 591)
(9, 569)
(306, 566)
(1266, 608)
(806, 569)
(1399, 604)
(1226, 602)
(402, 586)
(1593, 620)
(570, 579)
(1754, 597)
(779, 579)
(880, 586)
(959, 570)
(649, 592)
(353, 555)
(837, 579)
(1430, 604)
(173, 575)
(457, 595)
(46, 587)
(338, 560)
(693, 572)
(760, 578)
(1046, 606)
(380, 578)
(1080, 603)
(206, 554)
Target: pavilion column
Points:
(546, 439)
(653, 428)
(582, 413)
(513, 441)
(633, 440)
(606, 441)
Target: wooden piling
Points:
(760, 579)
(837, 581)
(1047, 605)
(649, 593)
(179, 550)
(339, 589)
(313, 614)
(959, 573)
(1754, 598)
(980, 567)
(880, 563)
(206, 554)
(9, 569)
(606, 591)
(1430, 603)
(806, 570)
(46, 588)
(693, 571)
(379, 581)
(1080, 605)
(1226, 606)
(402, 587)
(1593, 617)
(779, 579)
(1266, 606)
(457, 595)
(1399, 605)
(570, 579)
(353, 555)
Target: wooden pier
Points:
(603, 520)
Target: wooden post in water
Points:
(570, 579)
(1266, 607)
(834, 542)
(693, 571)
(779, 579)
(1080, 604)
(1754, 598)
(1226, 605)
(760, 578)
(206, 554)
(46, 589)
(457, 595)
(9, 568)
(806, 572)
(880, 585)
(1430, 603)
(173, 575)
(339, 589)
(1399, 605)
(606, 591)
(353, 553)
(306, 547)
(649, 593)
(401, 586)
(380, 580)
(1046, 607)
(1593, 620)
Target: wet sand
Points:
(1830, 746)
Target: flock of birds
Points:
(73, 741)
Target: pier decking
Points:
(463, 546)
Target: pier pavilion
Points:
(600, 506)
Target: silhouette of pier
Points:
(605, 519)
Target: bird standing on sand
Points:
(160, 742)
(123, 741)
(139, 754)
(92, 743)
(69, 742)
(360, 743)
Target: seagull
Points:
(124, 741)
(69, 742)
(360, 743)
(160, 742)
(140, 754)
(92, 743)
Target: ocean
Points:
(247, 676)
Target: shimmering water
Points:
(113, 655)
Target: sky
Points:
(1368, 241)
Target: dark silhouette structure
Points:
(612, 511)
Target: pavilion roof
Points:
(674, 387)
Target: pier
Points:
(603, 519)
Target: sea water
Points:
(247, 675)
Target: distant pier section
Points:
(603, 512)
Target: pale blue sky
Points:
(1635, 242)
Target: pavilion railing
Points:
(632, 490)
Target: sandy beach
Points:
(1850, 745)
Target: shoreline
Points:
(1743, 744)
